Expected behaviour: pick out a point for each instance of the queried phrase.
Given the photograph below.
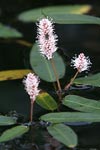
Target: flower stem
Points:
(31, 111)
(71, 81)
(57, 79)
(56, 75)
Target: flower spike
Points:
(31, 83)
(46, 38)
(81, 63)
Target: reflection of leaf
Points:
(13, 133)
(43, 68)
(13, 74)
(4, 120)
(71, 117)
(64, 134)
(93, 80)
(34, 14)
(46, 101)
(9, 32)
(82, 104)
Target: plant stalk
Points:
(31, 111)
(71, 81)
(56, 75)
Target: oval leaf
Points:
(9, 32)
(13, 74)
(93, 80)
(74, 19)
(13, 133)
(34, 14)
(71, 117)
(4, 120)
(64, 134)
(82, 104)
(43, 68)
(46, 101)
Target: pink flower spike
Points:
(46, 38)
(31, 83)
(81, 63)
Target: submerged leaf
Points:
(43, 68)
(34, 14)
(82, 104)
(64, 134)
(46, 101)
(13, 133)
(71, 117)
(4, 120)
(9, 32)
(93, 80)
(13, 74)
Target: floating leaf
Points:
(64, 134)
(46, 101)
(43, 68)
(4, 120)
(13, 133)
(82, 104)
(74, 19)
(13, 74)
(71, 117)
(93, 80)
(9, 32)
(34, 14)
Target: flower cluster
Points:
(46, 38)
(81, 63)
(31, 83)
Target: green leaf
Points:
(9, 32)
(74, 19)
(64, 134)
(82, 104)
(46, 101)
(4, 120)
(34, 14)
(13, 133)
(93, 80)
(71, 117)
(43, 68)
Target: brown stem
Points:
(31, 111)
(23, 42)
(56, 75)
(71, 81)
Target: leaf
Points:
(13, 74)
(34, 14)
(93, 80)
(9, 32)
(43, 68)
(71, 117)
(13, 133)
(64, 134)
(46, 101)
(82, 104)
(74, 19)
(4, 120)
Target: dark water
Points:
(72, 39)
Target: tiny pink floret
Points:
(81, 63)
(31, 83)
(46, 38)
